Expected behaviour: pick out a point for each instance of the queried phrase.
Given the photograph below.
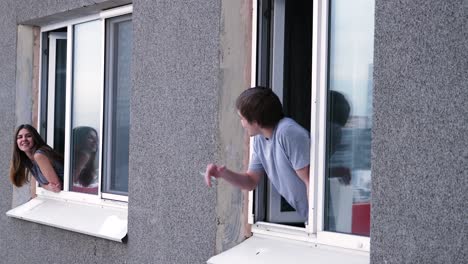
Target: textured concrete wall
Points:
(174, 124)
(174, 133)
(7, 117)
(420, 137)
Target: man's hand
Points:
(246, 181)
(213, 170)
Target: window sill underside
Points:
(96, 220)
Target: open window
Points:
(317, 56)
(84, 115)
(86, 118)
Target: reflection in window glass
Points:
(119, 47)
(86, 106)
(349, 116)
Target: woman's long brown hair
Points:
(20, 163)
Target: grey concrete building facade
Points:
(190, 61)
(419, 209)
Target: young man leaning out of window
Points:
(281, 149)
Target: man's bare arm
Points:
(246, 181)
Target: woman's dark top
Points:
(37, 173)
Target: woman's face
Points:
(25, 141)
(91, 141)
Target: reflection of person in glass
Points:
(340, 110)
(85, 150)
(32, 154)
(281, 149)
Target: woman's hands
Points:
(53, 187)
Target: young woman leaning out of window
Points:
(32, 154)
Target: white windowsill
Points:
(265, 249)
(108, 222)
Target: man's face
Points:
(252, 129)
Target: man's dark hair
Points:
(261, 105)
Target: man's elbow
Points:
(252, 182)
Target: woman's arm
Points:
(45, 165)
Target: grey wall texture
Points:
(174, 134)
(174, 124)
(7, 120)
(420, 136)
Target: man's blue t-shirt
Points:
(280, 156)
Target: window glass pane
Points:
(349, 116)
(298, 61)
(60, 88)
(54, 85)
(119, 50)
(86, 106)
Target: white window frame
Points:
(111, 106)
(100, 198)
(313, 232)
